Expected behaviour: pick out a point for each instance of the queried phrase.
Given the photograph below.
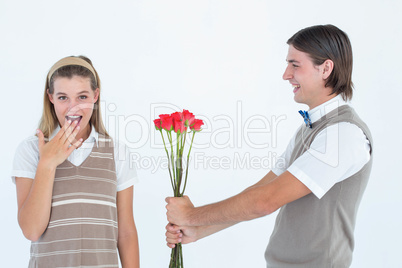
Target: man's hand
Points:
(184, 234)
(179, 210)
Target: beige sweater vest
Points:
(82, 230)
(312, 232)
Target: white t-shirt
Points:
(338, 152)
(26, 159)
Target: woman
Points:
(74, 194)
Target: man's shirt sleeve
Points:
(337, 152)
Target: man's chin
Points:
(298, 100)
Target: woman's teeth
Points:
(73, 117)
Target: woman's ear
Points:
(96, 95)
(328, 66)
(50, 96)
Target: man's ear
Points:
(328, 66)
(50, 96)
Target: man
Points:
(328, 163)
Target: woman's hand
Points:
(57, 150)
(35, 196)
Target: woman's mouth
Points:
(73, 118)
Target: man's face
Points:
(308, 80)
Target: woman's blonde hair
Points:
(48, 122)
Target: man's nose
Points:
(287, 74)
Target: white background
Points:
(215, 58)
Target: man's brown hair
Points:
(323, 42)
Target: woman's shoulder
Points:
(26, 158)
(121, 149)
(28, 148)
(117, 143)
(30, 142)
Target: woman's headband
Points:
(71, 61)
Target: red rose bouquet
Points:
(179, 124)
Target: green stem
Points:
(181, 256)
(178, 166)
(188, 159)
(172, 161)
(180, 157)
(176, 257)
(167, 153)
(183, 142)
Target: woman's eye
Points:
(83, 97)
(62, 98)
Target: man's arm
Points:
(188, 234)
(270, 176)
(256, 201)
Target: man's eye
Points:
(294, 65)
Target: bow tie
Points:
(306, 118)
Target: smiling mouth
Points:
(296, 88)
(73, 118)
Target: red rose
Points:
(197, 125)
(157, 123)
(177, 116)
(179, 127)
(188, 118)
(178, 122)
(166, 122)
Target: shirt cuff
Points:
(127, 184)
(21, 174)
(278, 171)
(306, 180)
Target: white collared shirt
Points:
(338, 152)
(26, 159)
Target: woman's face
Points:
(74, 100)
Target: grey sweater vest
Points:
(311, 232)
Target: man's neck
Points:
(321, 101)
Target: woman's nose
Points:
(73, 107)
